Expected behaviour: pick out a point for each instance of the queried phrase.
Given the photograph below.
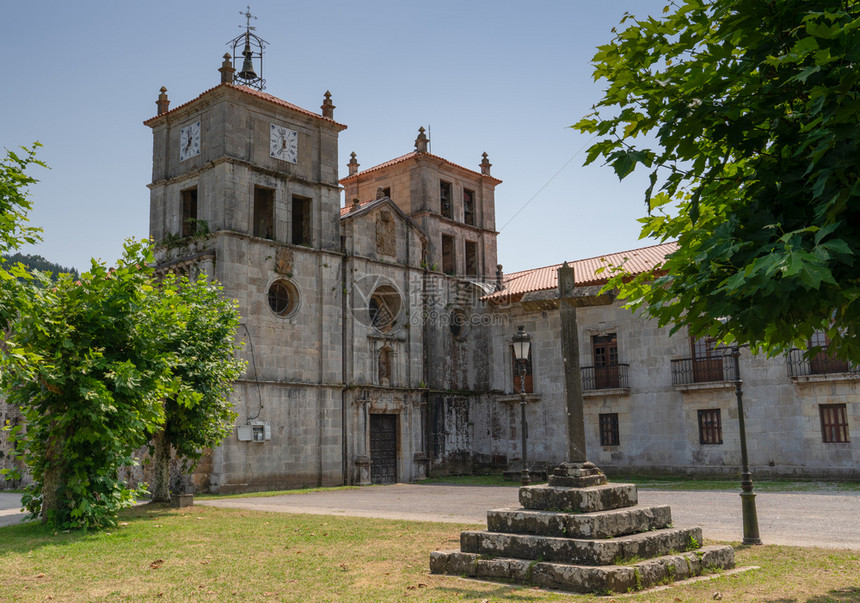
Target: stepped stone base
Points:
(579, 500)
(581, 551)
(582, 539)
(581, 578)
(604, 524)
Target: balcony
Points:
(710, 369)
(820, 364)
(604, 377)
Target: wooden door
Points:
(383, 449)
(707, 360)
(604, 349)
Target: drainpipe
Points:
(344, 364)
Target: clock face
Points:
(189, 141)
(284, 144)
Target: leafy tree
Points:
(14, 203)
(89, 381)
(201, 339)
(92, 363)
(102, 364)
(749, 118)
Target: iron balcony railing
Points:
(820, 364)
(687, 371)
(604, 377)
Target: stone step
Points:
(579, 500)
(580, 551)
(603, 524)
(585, 579)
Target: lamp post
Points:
(522, 342)
(750, 517)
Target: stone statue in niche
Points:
(384, 366)
(284, 261)
(386, 235)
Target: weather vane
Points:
(248, 16)
(252, 53)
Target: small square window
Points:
(710, 427)
(834, 423)
(609, 429)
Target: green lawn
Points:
(214, 554)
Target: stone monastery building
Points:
(378, 333)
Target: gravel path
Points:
(825, 520)
(830, 520)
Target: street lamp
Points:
(750, 517)
(522, 342)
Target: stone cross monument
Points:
(577, 472)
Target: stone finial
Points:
(353, 164)
(227, 70)
(355, 204)
(162, 103)
(499, 278)
(421, 141)
(485, 165)
(380, 192)
(327, 106)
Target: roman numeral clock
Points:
(189, 141)
(284, 143)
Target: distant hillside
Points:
(37, 262)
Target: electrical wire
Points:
(256, 379)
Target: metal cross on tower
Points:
(248, 16)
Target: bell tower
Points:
(252, 53)
(245, 188)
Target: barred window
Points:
(710, 427)
(834, 423)
(609, 429)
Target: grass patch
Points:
(214, 554)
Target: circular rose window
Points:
(283, 298)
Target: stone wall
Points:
(658, 421)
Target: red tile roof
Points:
(348, 208)
(634, 261)
(409, 156)
(252, 92)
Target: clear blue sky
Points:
(498, 76)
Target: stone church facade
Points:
(339, 304)
(378, 331)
